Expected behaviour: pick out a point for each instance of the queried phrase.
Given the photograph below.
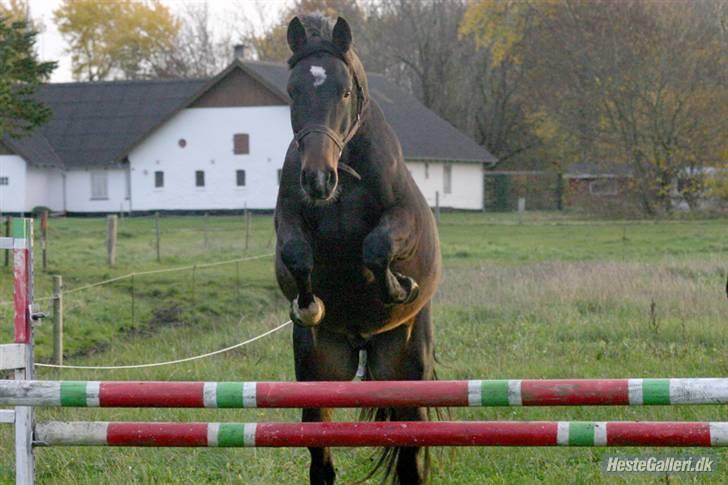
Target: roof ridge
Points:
(117, 82)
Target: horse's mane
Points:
(317, 25)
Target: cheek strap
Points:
(300, 135)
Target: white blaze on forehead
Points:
(319, 75)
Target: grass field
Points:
(553, 297)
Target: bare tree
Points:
(635, 82)
(196, 51)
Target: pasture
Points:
(553, 297)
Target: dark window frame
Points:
(241, 144)
(199, 178)
(238, 174)
(159, 179)
(447, 178)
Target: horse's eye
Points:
(347, 93)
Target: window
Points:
(200, 178)
(240, 178)
(427, 170)
(4, 181)
(280, 173)
(241, 144)
(99, 186)
(605, 186)
(158, 179)
(447, 179)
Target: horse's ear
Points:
(296, 34)
(341, 36)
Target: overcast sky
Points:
(51, 45)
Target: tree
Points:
(20, 74)
(194, 52)
(610, 74)
(506, 119)
(634, 82)
(115, 39)
(272, 45)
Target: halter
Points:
(361, 103)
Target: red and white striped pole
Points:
(409, 433)
(514, 392)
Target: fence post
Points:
(437, 207)
(521, 209)
(158, 233)
(205, 229)
(247, 227)
(58, 320)
(133, 301)
(112, 223)
(44, 238)
(8, 224)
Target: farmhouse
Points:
(203, 145)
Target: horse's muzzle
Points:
(319, 184)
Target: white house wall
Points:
(12, 196)
(44, 188)
(78, 191)
(467, 183)
(208, 133)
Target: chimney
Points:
(239, 52)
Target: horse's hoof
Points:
(309, 316)
(409, 290)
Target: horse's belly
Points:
(353, 302)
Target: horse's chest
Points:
(343, 223)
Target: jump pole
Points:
(18, 356)
(547, 392)
(407, 433)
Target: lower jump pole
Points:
(454, 433)
(514, 392)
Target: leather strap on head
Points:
(361, 103)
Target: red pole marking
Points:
(490, 433)
(658, 434)
(20, 296)
(151, 394)
(361, 394)
(157, 434)
(574, 392)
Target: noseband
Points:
(361, 104)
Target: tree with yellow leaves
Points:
(118, 39)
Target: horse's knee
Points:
(297, 256)
(377, 251)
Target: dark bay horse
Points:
(357, 250)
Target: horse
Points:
(357, 248)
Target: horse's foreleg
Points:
(306, 308)
(392, 238)
(321, 356)
(321, 471)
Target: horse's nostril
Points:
(331, 179)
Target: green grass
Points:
(553, 297)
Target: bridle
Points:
(361, 103)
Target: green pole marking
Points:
(581, 434)
(229, 394)
(231, 435)
(494, 393)
(73, 393)
(20, 228)
(656, 391)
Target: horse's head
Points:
(327, 88)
